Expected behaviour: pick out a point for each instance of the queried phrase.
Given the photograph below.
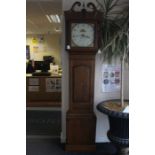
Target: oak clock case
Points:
(82, 43)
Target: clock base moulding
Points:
(80, 132)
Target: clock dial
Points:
(82, 35)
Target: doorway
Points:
(43, 56)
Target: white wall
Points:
(102, 122)
(65, 85)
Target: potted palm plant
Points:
(115, 44)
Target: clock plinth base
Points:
(80, 148)
(81, 129)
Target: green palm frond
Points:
(115, 28)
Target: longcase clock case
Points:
(80, 119)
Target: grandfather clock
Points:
(82, 43)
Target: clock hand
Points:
(87, 36)
(84, 36)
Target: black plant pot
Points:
(119, 125)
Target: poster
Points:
(111, 78)
(33, 88)
(38, 44)
(53, 84)
(34, 41)
(54, 69)
(33, 81)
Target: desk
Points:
(43, 91)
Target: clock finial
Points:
(73, 6)
(83, 5)
(92, 6)
(83, 9)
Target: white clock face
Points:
(82, 35)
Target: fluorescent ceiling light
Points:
(49, 19)
(58, 18)
(53, 18)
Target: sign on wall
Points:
(33, 85)
(33, 88)
(34, 41)
(34, 81)
(111, 78)
(53, 84)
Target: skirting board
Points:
(99, 139)
(102, 139)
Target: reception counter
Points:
(43, 91)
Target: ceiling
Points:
(36, 21)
